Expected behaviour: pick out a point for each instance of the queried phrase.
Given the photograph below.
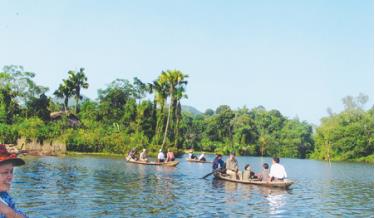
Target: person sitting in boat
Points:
(247, 173)
(131, 155)
(218, 162)
(232, 166)
(277, 172)
(201, 157)
(161, 156)
(192, 155)
(265, 174)
(143, 156)
(170, 156)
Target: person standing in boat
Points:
(170, 156)
(161, 156)
(277, 171)
(232, 166)
(143, 156)
(201, 157)
(218, 162)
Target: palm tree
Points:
(64, 91)
(175, 79)
(160, 95)
(179, 94)
(77, 81)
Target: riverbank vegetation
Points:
(137, 114)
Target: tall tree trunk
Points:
(77, 101)
(154, 117)
(173, 119)
(166, 125)
(66, 101)
(176, 134)
(160, 122)
(76, 105)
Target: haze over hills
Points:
(191, 109)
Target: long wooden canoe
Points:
(279, 184)
(197, 161)
(167, 164)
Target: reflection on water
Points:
(90, 186)
(276, 199)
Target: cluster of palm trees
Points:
(170, 84)
(72, 87)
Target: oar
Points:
(209, 174)
(217, 170)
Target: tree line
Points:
(136, 114)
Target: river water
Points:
(91, 186)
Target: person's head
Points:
(169, 150)
(232, 155)
(247, 166)
(265, 166)
(144, 150)
(7, 163)
(219, 156)
(160, 150)
(276, 160)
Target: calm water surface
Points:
(89, 186)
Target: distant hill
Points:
(193, 110)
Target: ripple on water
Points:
(105, 187)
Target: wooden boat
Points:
(167, 164)
(197, 161)
(279, 184)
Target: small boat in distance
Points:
(197, 161)
(167, 164)
(277, 184)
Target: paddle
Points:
(209, 174)
(217, 170)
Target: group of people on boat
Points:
(231, 168)
(143, 156)
(195, 157)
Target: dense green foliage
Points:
(348, 135)
(149, 115)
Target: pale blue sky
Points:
(299, 57)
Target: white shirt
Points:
(278, 171)
(161, 156)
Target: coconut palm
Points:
(175, 79)
(160, 95)
(179, 94)
(77, 81)
(64, 91)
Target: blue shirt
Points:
(216, 164)
(9, 201)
